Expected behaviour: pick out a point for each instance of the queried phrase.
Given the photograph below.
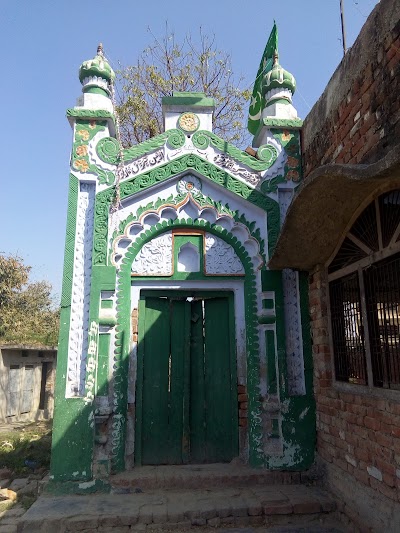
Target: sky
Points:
(43, 43)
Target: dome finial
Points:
(96, 74)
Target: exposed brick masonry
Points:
(357, 119)
(358, 433)
(242, 405)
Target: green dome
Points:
(278, 78)
(98, 67)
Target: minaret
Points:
(271, 101)
(79, 378)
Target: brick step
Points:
(181, 510)
(201, 476)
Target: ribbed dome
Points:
(98, 67)
(278, 78)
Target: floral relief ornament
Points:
(189, 185)
(81, 165)
(81, 150)
(189, 122)
(84, 134)
(292, 175)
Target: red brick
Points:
(346, 397)
(351, 418)
(362, 454)
(278, 508)
(389, 492)
(389, 479)
(372, 423)
(305, 507)
(350, 469)
(325, 454)
(325, 383)
(333, 430)
(362, 475)
(396, 446)
(385, 466)
(384, 440)
(391, 52)
(385, 454)
(340, 463)
(393, 63)
(243, 422)
(393, 408)
(358, 409)
(242, 398)
(326, 410)
(241, 389)
(344, 111)
(341, 444)
(330, 450)
(372, 412)
(351, 439)
(332, 393)
(386, 428)
(358, 144)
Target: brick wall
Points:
(357, 121)
(357, 118)
(242, 406)
(357, 433)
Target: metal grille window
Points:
(347, 330)
(364, 289)
(382, 285)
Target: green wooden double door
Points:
(186, 394)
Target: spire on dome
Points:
(273, 83)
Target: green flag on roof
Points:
(257, 100)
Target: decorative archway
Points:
(122, 351)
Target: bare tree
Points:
(167, 66)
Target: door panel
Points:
(13, 390)
(178, 384)
(155, 379)
(27, 393)
(188, 411)
(198, 452)
(218, 405)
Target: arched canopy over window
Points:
(364, 289)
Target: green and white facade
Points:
(177, 343)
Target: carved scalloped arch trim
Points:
(179, 165)
(186, 210)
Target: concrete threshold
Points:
(202, 476)
(250, 505)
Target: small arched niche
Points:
(188, 258)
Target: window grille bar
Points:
(348, 330)
(382, 282)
